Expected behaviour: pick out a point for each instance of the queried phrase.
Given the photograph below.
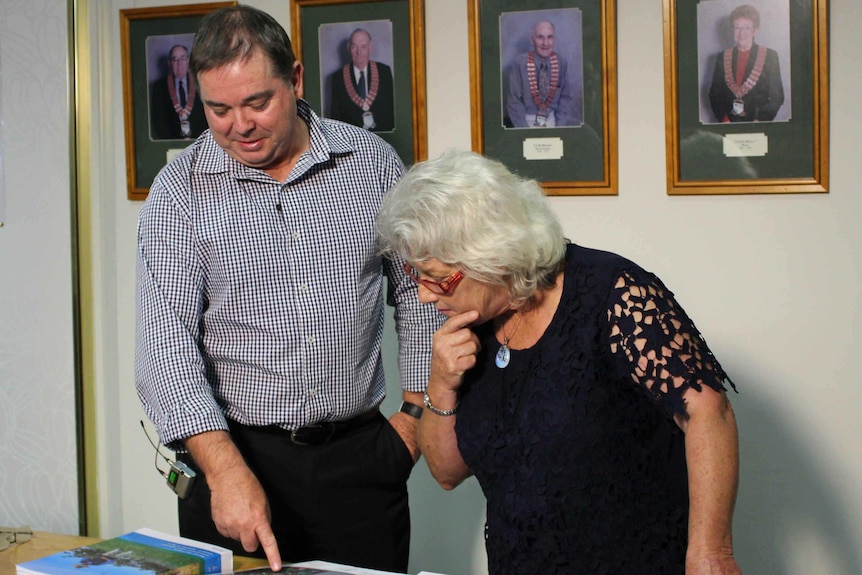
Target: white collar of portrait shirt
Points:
(356, 72)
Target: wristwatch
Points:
(442, 412)
(411, 409)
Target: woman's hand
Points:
(718, 564)
(454, 351)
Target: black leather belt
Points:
(324, 431)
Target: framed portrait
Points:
(364, 64)
(162, 108)
(543, 90)
(747, 96)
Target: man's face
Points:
(179, 59)
(251, 111)
(543, 39)
(743, 33)
(360, 49)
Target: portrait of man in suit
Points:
(542, 68)
(361, 91)
(176, 111)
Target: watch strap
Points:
(411, 409)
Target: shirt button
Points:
(312, 392)
(296, 235)
(310, 339)
(303, 288)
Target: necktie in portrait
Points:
(544, 81)
(360, 87)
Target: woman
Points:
(568, 380)
(746, 79)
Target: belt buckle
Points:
(296, 439)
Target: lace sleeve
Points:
(660, 347)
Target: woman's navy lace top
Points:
(574, 443)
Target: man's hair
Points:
(536, 25)
(237, 33)
(357, 31)
(174, 47)
(747, 12)
(471, 212)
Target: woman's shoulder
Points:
(581, 255)
(599, 272)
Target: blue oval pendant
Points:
(502, 357)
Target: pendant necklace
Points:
(503, 354)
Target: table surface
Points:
(44, 543)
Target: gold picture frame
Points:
(320, 30)
(778, 143)
(578, 156)
(147, 35)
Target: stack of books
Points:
(141, 552)
(150, 552)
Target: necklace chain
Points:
(503, 354)
(506, 338)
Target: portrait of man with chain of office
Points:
(541, 60)
(175, 108)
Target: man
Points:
(361, 91)
(176, 112)
(540, 91)
(260, 316)
(746, 81)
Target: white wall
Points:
(38, 481)
(770, 280)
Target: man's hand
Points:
(406, 425)
(240, 509)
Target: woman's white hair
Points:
(471, 212)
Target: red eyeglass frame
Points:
(443, 287)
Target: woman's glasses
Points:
(443, 287)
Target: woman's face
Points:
(469, 294)
(743, 33)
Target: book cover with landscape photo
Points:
(141, 552)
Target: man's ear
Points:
(296, 79)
